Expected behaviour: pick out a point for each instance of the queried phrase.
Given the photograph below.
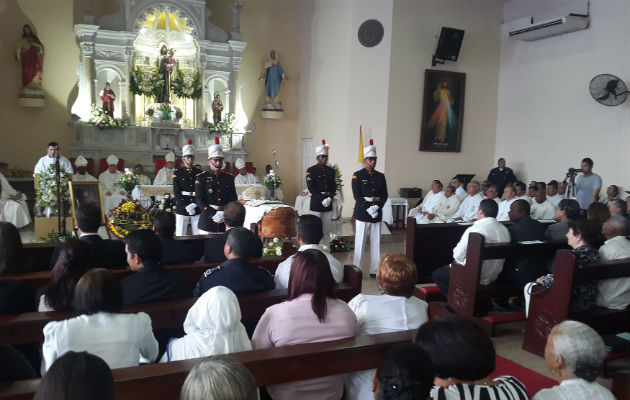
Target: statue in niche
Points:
(108, 97)
(217, 107)
(273, 74)
(30, 53)
(166, 63)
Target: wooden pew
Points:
(28, 328)
(269, 367)
(550, 307)
(465, 290)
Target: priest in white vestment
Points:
(52, 152)
(509, 197)
(139, 173)
(13, 206)
(81, 175)
(468, 208)
(112, 194)
(445, 208)
(541, 207)
(429, 202)
(165, 175)
(243, 177)
(459, 189)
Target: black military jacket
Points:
(366, 185)
(320, 181)
(213, 189)
(184, 182)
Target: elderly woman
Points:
(395, 310)
(219, 378)
(575, 356)
(311, 314)
(213, 326)
(463, 357)
(122, 340)
(405, 373)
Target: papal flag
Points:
(360, 145)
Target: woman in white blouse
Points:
(122, 340)
(213, 327)
(395, 310)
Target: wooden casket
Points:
(278, 223)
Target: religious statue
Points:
(108, 96)
(166, 64)
(31, 54)
(273, 74)
(217, 107)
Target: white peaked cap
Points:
(80, 161)
(215, 151)
(369, 151)
(322, 149)
(239, 163)
(170, 157)
(112, 160)
(189, 149)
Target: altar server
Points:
(369, 189)
(186, 209)
(443, 210)
(13, 206)
(243, 177)
(52, 152)
(320, 181)
(214, 189)
(165, 174)
(430, 201)
(112, 193)
(81, 174)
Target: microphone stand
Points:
(61, 220)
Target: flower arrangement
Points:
(272, 181)
(338, 179)
(167, 204)
(46, 194)
(128, 180)
(57, 237)
(147, 82)
(186, 86)
(223, 127)
(128, 216)
(104, 121)
(339, 245)
(273, 248)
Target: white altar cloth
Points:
(255, 212)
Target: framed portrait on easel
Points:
(86, 192)
(442, 111)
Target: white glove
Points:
(373, 209)
(326, 202)
(373, 214)
(218, 217)
(191, 208)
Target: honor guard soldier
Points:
(186, 209)
(320, 181)
(214, 189)
(370, 193)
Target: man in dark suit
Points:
(173, 251)
(501, 176)
(150, 282)
(524, 270)
(236, 273)
(102, 253)
(233, 217)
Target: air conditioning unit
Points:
(551, 27)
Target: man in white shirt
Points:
(13, 206)
(542, 208)
(243, 177)
(509, 196)
(552, 193)
(493, 231)
(614, 293)
(459, 188)
(52, 152)
(429, 202)
(493, 194)
(468, 208)
(112, 193)
(81, 174)
(445, 208)
(310, 233)
(520, 192)
(165, 175)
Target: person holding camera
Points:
(587, 186)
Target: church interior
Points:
(525, 101)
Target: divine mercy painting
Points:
(442, 111)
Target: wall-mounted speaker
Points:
(449, 43)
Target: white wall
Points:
(547, 120)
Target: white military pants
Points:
(181, 224)
(326, 217)
(374, 230)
